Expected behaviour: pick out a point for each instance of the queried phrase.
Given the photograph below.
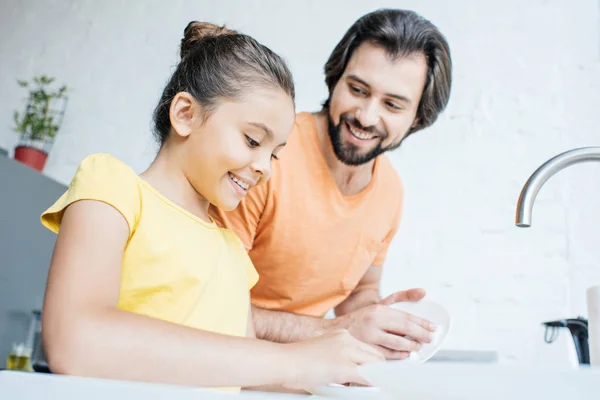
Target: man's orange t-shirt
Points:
(310, 244)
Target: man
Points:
(319, 230)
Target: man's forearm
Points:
(284, 327)
(358, 300)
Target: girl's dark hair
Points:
(217, 64)
(400, 33)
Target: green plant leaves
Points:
(38, 122)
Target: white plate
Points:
(346, 392)
(434, 312)
(426, 309)
(432, 381)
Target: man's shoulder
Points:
(303, 126)
(304, 119)
(301, 139)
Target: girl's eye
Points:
(251, 142)
(273, 156)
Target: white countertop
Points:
(425, 381)
(22, 385)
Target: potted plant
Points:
(40, 122)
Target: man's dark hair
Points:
(400, 33)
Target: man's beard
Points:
(348, 153)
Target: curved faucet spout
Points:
(545, 172)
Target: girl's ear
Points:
(183, 110)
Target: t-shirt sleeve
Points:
(245, 219)
(102, 178)
(382, 254)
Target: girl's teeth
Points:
(360, 135)
(243, 185)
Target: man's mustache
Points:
(369, 129)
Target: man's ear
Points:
(183, 110)
(415, 122)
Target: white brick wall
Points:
(527, 80)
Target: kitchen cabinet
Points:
(25, 247)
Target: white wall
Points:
(526, 87)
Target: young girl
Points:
(143, 285)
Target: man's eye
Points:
(251, 142)
(393, 106)
(357, 90)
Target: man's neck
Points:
(349, 179)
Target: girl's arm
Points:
(85, 334)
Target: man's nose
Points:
(368, 114)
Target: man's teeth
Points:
(359, 134)
(241, 184)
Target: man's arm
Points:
(383, 327)
(250, 329)
(284, 327)
(365, 294)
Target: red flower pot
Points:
(31, 157)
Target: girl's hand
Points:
(330, 358)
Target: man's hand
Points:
(394, 332)
(404, 295)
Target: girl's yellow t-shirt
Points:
(176, 267)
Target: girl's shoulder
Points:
(104, 165)
(104, 178)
